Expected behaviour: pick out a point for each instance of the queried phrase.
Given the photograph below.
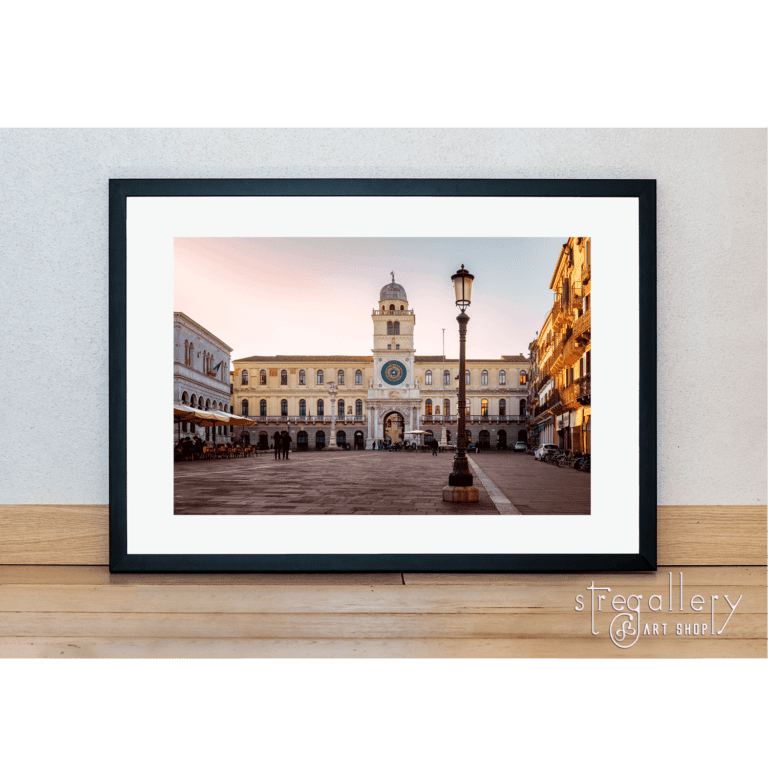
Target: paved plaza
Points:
(535, 487)
(373, 482)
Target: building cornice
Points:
(196, 326)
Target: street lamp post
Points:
(460, 487)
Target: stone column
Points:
(371, 422)
(332, 439)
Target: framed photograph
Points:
(382, 375)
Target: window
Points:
(186, 353)
(468, 378)
(589, 355)
(389, 346)
(193, 401)
(502, 378)
(244, 377)
(320, 408)
(319, 377)
(340, 377)
(428, 408)
(484, 378)
(341, 409)
(446, 378)
(358, 378)
(397, 346)
(502, 407)
(207, 405)
(437, 410)
(244, 408)
(263, 408)
(302, 378)
(263, 378)
(401, 307)
(284, 378)
(390, 328)
(283, 407)
(447, 407)
(358, 407)
(184, 397)
(483, 407)
(522, 407)
(391, 307)
(428, 378)
(523, 377)
(397, 328)
(566, 302)
(302, 407)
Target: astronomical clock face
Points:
(393, 372)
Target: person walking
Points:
(278, 444)
(286, 441)
(434, 447)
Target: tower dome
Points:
(393, 291)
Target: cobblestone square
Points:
(372, 483)
(535, 487)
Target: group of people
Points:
(191, 449)
(283, 442)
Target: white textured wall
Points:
(712, 276)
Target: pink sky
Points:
(305, 296)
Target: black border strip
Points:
(120, 189)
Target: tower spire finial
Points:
(393, 276)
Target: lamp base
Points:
(461, 494)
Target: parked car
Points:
(543, 450)
(520, 446)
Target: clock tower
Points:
(393, 397)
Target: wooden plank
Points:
(178, 648)
(699, 576)
(322, 599)
(712, 535)
(713, 575)
(99, 574)
(565, 625)
(78, 535)
(33, 534)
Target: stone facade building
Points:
(359, 400)
(200, 371)
(561, 356)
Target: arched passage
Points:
(394, 427)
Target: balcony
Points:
(561, 316)
(584, 390)
(474, 419)
(553, 404)
(392, 312)
(308, 420)
(582, 325)
(573, 350)
(569, 397)
(557, 359)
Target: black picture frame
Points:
(120, 190)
